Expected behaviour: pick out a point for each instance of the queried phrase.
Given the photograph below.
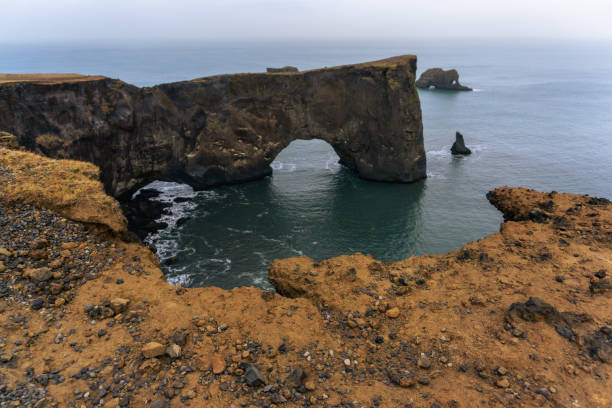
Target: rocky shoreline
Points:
(520, 318)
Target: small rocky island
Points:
(459, 147)
(440, 79)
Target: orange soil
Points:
(453, 312)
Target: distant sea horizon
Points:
(540, 117)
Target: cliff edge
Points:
(520, 318)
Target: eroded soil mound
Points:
(70, 188)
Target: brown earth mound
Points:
(70, 188)
(518, 319)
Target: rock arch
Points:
(224, 129)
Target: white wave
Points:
(444, 152)
(435, 176)
(332, 164)
(180, 280)
(284, 167)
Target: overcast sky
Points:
(59, 20)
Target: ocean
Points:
(540, 116)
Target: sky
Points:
(82, 20)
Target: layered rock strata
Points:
(222, 129)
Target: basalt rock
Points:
(459, 146)
(441, 79)
(222, 129)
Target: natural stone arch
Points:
(225, 129)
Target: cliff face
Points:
(222, 129)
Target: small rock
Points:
(173, 351)
(424, 362)
(119, 305)
(158, 404)
(503, 383)
(296, 377)
(310, 385)
(406, 382)
(254, 377)
(218, 364)
(393, 313)
(38, 304)
(39, 274)
(153, 349)
(424, 380)
(502, 370)
(179, 337)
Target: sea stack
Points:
(441, 79)
(459, 145)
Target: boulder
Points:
(459, 146)
(441, 79)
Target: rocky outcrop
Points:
(286, 68)
(70, 188)
(222, 129)
(459, 146)
(441, 79)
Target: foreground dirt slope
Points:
(520, 318)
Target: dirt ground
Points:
(520, 318)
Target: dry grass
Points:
(70, 188)
(8, 140)
(47, 78)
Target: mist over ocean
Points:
(540, 117)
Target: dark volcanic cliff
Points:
(222, 129)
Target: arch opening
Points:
(306, 156)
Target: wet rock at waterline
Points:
(459, 146)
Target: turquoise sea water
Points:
(540, 117)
